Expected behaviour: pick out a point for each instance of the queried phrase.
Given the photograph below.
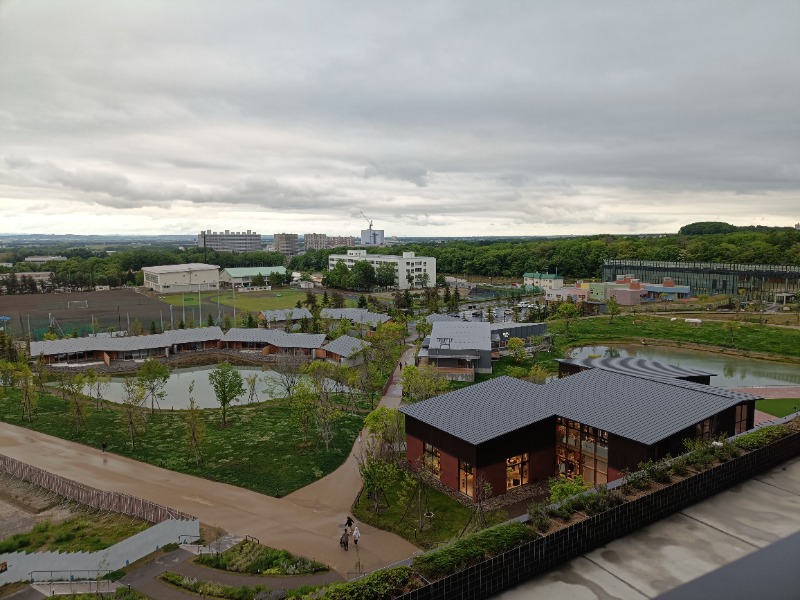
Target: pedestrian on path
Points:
(348, 523)
(356, 536)
(400, 364)
(344, 541)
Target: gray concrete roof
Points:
(345, 346)
(642, 409)
(483, 411)
(356, 315)
(635, 366)
(284, 314)
(638, 408)
(126, 343)
(463, 335)
(275, 337)
(435, 317)
(180, 268)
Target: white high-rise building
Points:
(411, 271)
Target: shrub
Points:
(561, 511)
(380, 585)
(725, 450)
(209, 588)
(539, 519)
(15, 542)
(657, 471)
(562, 488)
(761, 437)
(471, 549)
(601, 501)
(680, 466)
(250, 557)
(635, 481)
(700, 453)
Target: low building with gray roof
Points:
(596, 424)
(632, 365)
(344, 350)
(359, 316)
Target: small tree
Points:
(153, 376)
(28, 396)
(73, 393)
(133, 415)
(516, 348)
(195, 428)
(137, 328)
(289, 367)
(210, 320)
(228, 386)
(421, 383)
(252, 391)
(302, 408)
(612, 308)
(567, 312)
(538, 374)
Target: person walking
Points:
(356, 536)
(349, 522)
(343, 540)
(346, 539)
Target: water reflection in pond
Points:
(178, 385)
(731, 371)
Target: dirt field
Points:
(22, 506)
(111, 310)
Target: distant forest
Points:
(578, 257)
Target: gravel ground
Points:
(22, 506)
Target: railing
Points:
(87, 573)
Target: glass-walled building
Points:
(749, 281)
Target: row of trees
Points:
(573, 257)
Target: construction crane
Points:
(367, 218)
(372, 235)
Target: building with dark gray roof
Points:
(110, 349)
(632, 365)
(460, 349)
(596, 424)
(344, 350)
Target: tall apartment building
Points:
(315, 241)
(287, 244)
(410, 270)
(229, 241)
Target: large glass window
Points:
(581, 450)
(741, 418)
(517, 468)
(705, 430)
(432, 459)
(466, 479)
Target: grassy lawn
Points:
(246, 301)
(449, 517)
(260, 449)
(747, 337)
(778, 407)
(82, 533)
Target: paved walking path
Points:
(307, 522)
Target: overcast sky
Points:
(433, 118)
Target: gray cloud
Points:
(535, 118)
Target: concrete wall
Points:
(510, 568)
(90, 565)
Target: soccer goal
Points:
(77, 304)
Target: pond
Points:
(731, 371)
(178, 385)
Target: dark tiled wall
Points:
(508, 569)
